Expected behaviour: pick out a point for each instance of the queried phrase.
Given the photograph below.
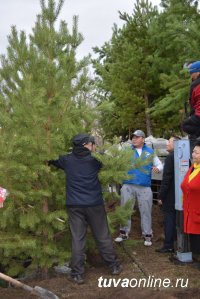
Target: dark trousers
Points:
(169, 228)
(191, 126)
(95, 217)
(195, 243)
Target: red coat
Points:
(191, 203)
(195, 100)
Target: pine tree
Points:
(43, 104)
(142, 83)
(177, 42)
(126, 67)
(45, 99)
(117, 160)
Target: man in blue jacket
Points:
(138, 187)
(85, 205)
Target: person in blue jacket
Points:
(85, 205)
(138, 187)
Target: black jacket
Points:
(82, 184)
(167, 189)
(191, 125)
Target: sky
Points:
(96, 19)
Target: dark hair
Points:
(197, 142)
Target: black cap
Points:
(82, 139)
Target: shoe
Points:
(165, 250)
(196, 265)
(196, 257)
(65, 269)
(123, 236)
(116, 270)
(76, 278)
(147, 240)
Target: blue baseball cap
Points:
(194, 67)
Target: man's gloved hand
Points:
(48, 162)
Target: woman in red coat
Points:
(191, 200)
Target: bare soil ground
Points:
(138, 262)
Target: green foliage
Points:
(116, 160)
(177, 44)
(127, 73)
(170, 109)
(140, 76)
(46, 97)
(120, 215)
(116, 163)
(43, 104)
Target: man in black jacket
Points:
(85, 205)
(167, 200)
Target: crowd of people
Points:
(191, 183)
(85, 204)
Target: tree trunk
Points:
(44, 269)
(147, 116)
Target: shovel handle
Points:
(16, 282)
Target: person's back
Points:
(167, 188)
(85, 205)
(82, 183)
(167, 200)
